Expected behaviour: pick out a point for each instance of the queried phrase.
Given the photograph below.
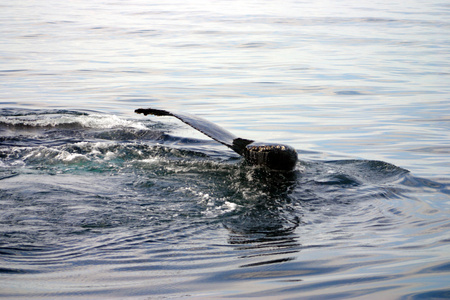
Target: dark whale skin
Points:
(274, 156)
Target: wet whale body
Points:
(271, 155)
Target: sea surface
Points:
(97, 202)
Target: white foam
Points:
(107, 121)
(71, 157)
(214, 206)
(230, 206)
(150, 161)
(99, 121)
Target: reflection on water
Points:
(265, 226)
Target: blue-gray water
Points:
(97, 202)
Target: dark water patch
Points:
(17, 271)
(13, 71)
(349, 93)
(437, 294)
(440, 268)
(254, 45)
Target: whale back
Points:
(274, 156)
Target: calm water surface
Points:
(96, 202)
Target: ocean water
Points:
(98, 202)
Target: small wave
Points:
(62, 119)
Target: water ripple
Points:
(128, 200)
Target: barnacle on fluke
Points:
(273, 156)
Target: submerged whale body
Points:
(273, 156)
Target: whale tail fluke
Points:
(152, 111)
(206, 127)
